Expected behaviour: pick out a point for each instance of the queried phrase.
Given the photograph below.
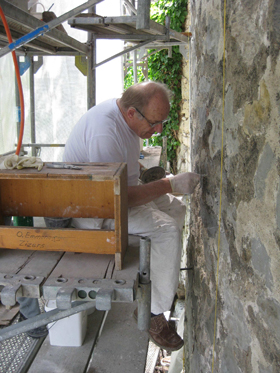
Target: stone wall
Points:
(248, 247)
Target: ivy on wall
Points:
(166, 70)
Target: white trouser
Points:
(162, 221)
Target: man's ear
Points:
(130, 112)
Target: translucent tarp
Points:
(60, 88)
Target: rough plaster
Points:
(248, 297)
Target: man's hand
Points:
(184, 183)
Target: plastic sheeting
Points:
(60, 88)
(60, 91)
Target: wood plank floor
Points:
(120, 348)
(57, 359)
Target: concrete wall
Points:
(248, 296)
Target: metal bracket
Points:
(19, 285)
(64, 297)
(81, 63)
(104, 298)
(184, 50)
(27, 61)
(87, 289)
(10, 293)
(38, 63)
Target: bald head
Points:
(140, 95)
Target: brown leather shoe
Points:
(164, 335)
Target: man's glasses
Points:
(152, 124)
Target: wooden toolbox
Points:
(97, 190)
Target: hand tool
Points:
(62, 165)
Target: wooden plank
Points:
(57, 359)
(92, 241)
(122, 28)
(57, 198)
(41, 263)
(118, 26)
(121, 218)
(96, 171)
(11, 261)
(155, 28)
(27, 262)
(83, 265)
(128, 27)
(76, 269)
(121, 346)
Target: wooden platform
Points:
(81, 270)
(120, 348)
(125, 28)
(100, 352)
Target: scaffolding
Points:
(34, 37)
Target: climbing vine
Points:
(167, 70)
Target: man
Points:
(110, 132)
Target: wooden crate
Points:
(98, 190)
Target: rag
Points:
(18, 162)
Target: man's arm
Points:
(140, 194)
(184, 183)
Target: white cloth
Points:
(14, 161)
(102, 135)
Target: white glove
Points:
(184, 183)
(14, 161)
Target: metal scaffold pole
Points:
(46, 27)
